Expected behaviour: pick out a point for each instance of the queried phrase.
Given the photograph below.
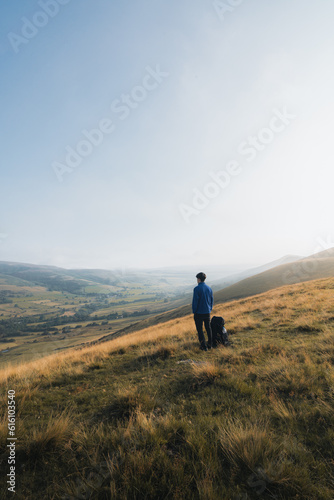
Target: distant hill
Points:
(51, 277)
(234, 278)
(316, 266)
(177, 282)
(78, 281)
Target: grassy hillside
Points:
(234, 278)
(150, 416)
(316, 266)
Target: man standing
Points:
(202, 306)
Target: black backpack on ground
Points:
(219, 332)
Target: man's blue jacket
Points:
(202, 299)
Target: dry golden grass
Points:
(247, 444)
(58, 432)
(72, 362)
(257, 412)
(311, 307)
(207, 371)
(283, 410)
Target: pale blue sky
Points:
(121, 205)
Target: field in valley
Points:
(57, 311)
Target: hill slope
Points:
(315, 267)
(150, 416)
(234, 278)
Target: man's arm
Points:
(195, 300)
(211, 297)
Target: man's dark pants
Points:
(199, 319)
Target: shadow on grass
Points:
(122, 407)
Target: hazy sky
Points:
(215, 142)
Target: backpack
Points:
(219, 332)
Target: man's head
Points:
(201, 277)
